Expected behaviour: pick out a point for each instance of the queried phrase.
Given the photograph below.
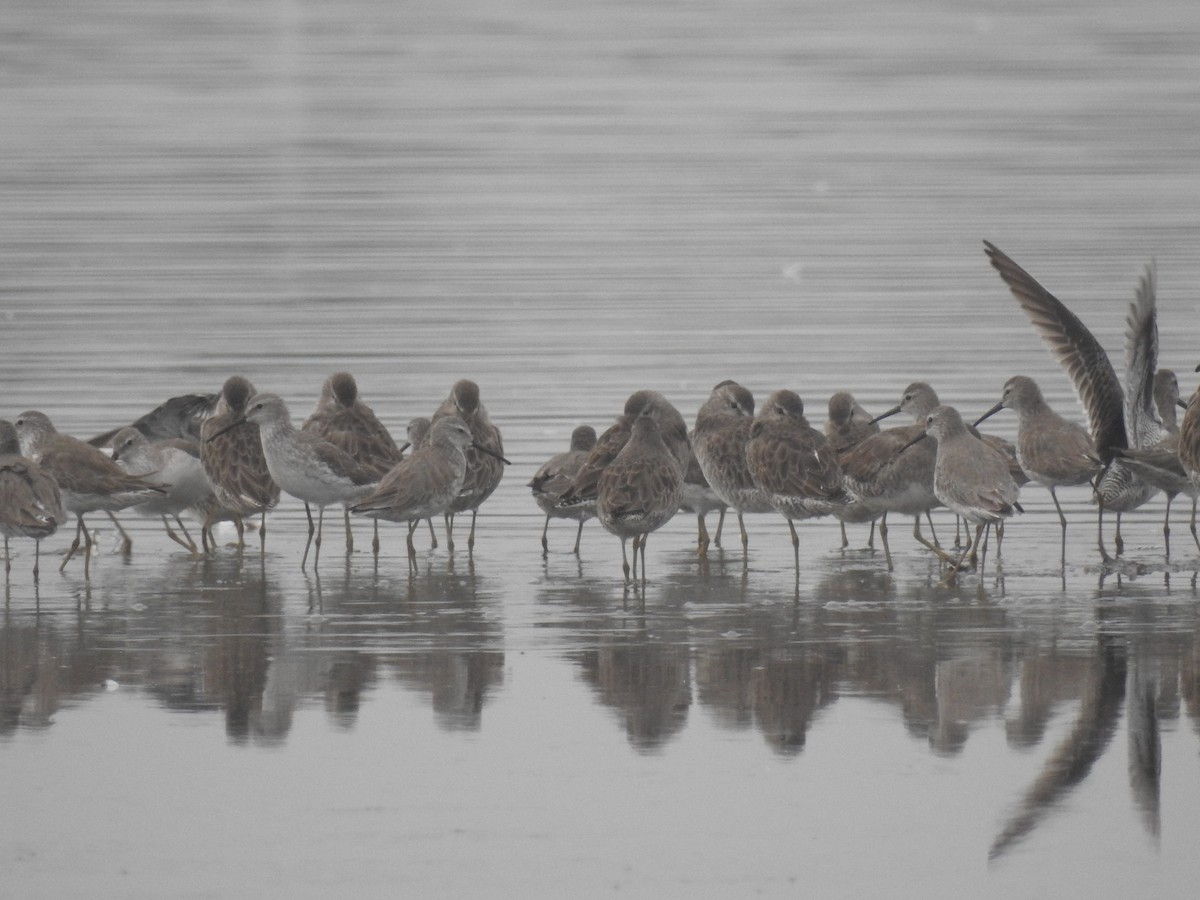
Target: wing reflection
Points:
(1072, 760)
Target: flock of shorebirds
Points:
(227, 456)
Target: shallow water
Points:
(567, 202)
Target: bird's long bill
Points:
(987, 415)
(920, 437)
(1181, 403)
(885, 415)
(229, 427)
(490, 453)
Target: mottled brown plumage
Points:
(793, 464)
(639, 491)
(343, 420)
(31, 504)
(719, 440)
(484, 470)
(234, 461)
(88, 479)
(672, 429)
(424, 484)
(554, 477)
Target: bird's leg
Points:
(702, 540)
(471, 534)
(349, 532)
(625, 558)
(1062, 521)
(126, 540)
(74, 544)
(720, 526)
(883, 533)
(1167, 527)
(312, 529)
(795, 543)
(545, 542)
(317, 544)
(449, 518)
(578, 536)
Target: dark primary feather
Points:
(1145, 426)
(179, 417)
(1076, 349)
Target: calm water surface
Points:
(567, 202)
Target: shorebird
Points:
(234, 463)
(970, 478)
(88, 479)
(341, 418)
(1159, 465)
(30, 502)
(793, 464)
(179, 417)
(719, 440)
(554, 476)
(174, 465)
(639, 490)
(417, 436)
(427, 482)
(849, 424)
(1051, 450)
(672, 429)
(699, 499)
(1189, 438)
(308, 467)
(1118, 419)
(484, 470)
(881, 481)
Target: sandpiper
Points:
(484, 470)
(1052, 451)
(1159, 464)
(672, 429)
(172, 464)
(417, 436)
(427, 482)
(88, 479)
(848, 425)
(639, 490)
(1118, 419)
(306, 466)
(882, 481)
(30, 502)
(554, 476)
(793, 464)
(341, 418)
(179, 417)
(970, 478)
(234, 463)
(719, 440)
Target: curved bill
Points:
(920, 437)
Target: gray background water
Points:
(568, 201)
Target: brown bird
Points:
(793, 464)
(639, 490)
(719, 440)
(427, 482)
(342, 419)
(30, 502)
(484, 469)
(672, 429)
(235, 464)
(88, 479)
(554, 476)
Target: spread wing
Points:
(1141, 361)
(1076, 349)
